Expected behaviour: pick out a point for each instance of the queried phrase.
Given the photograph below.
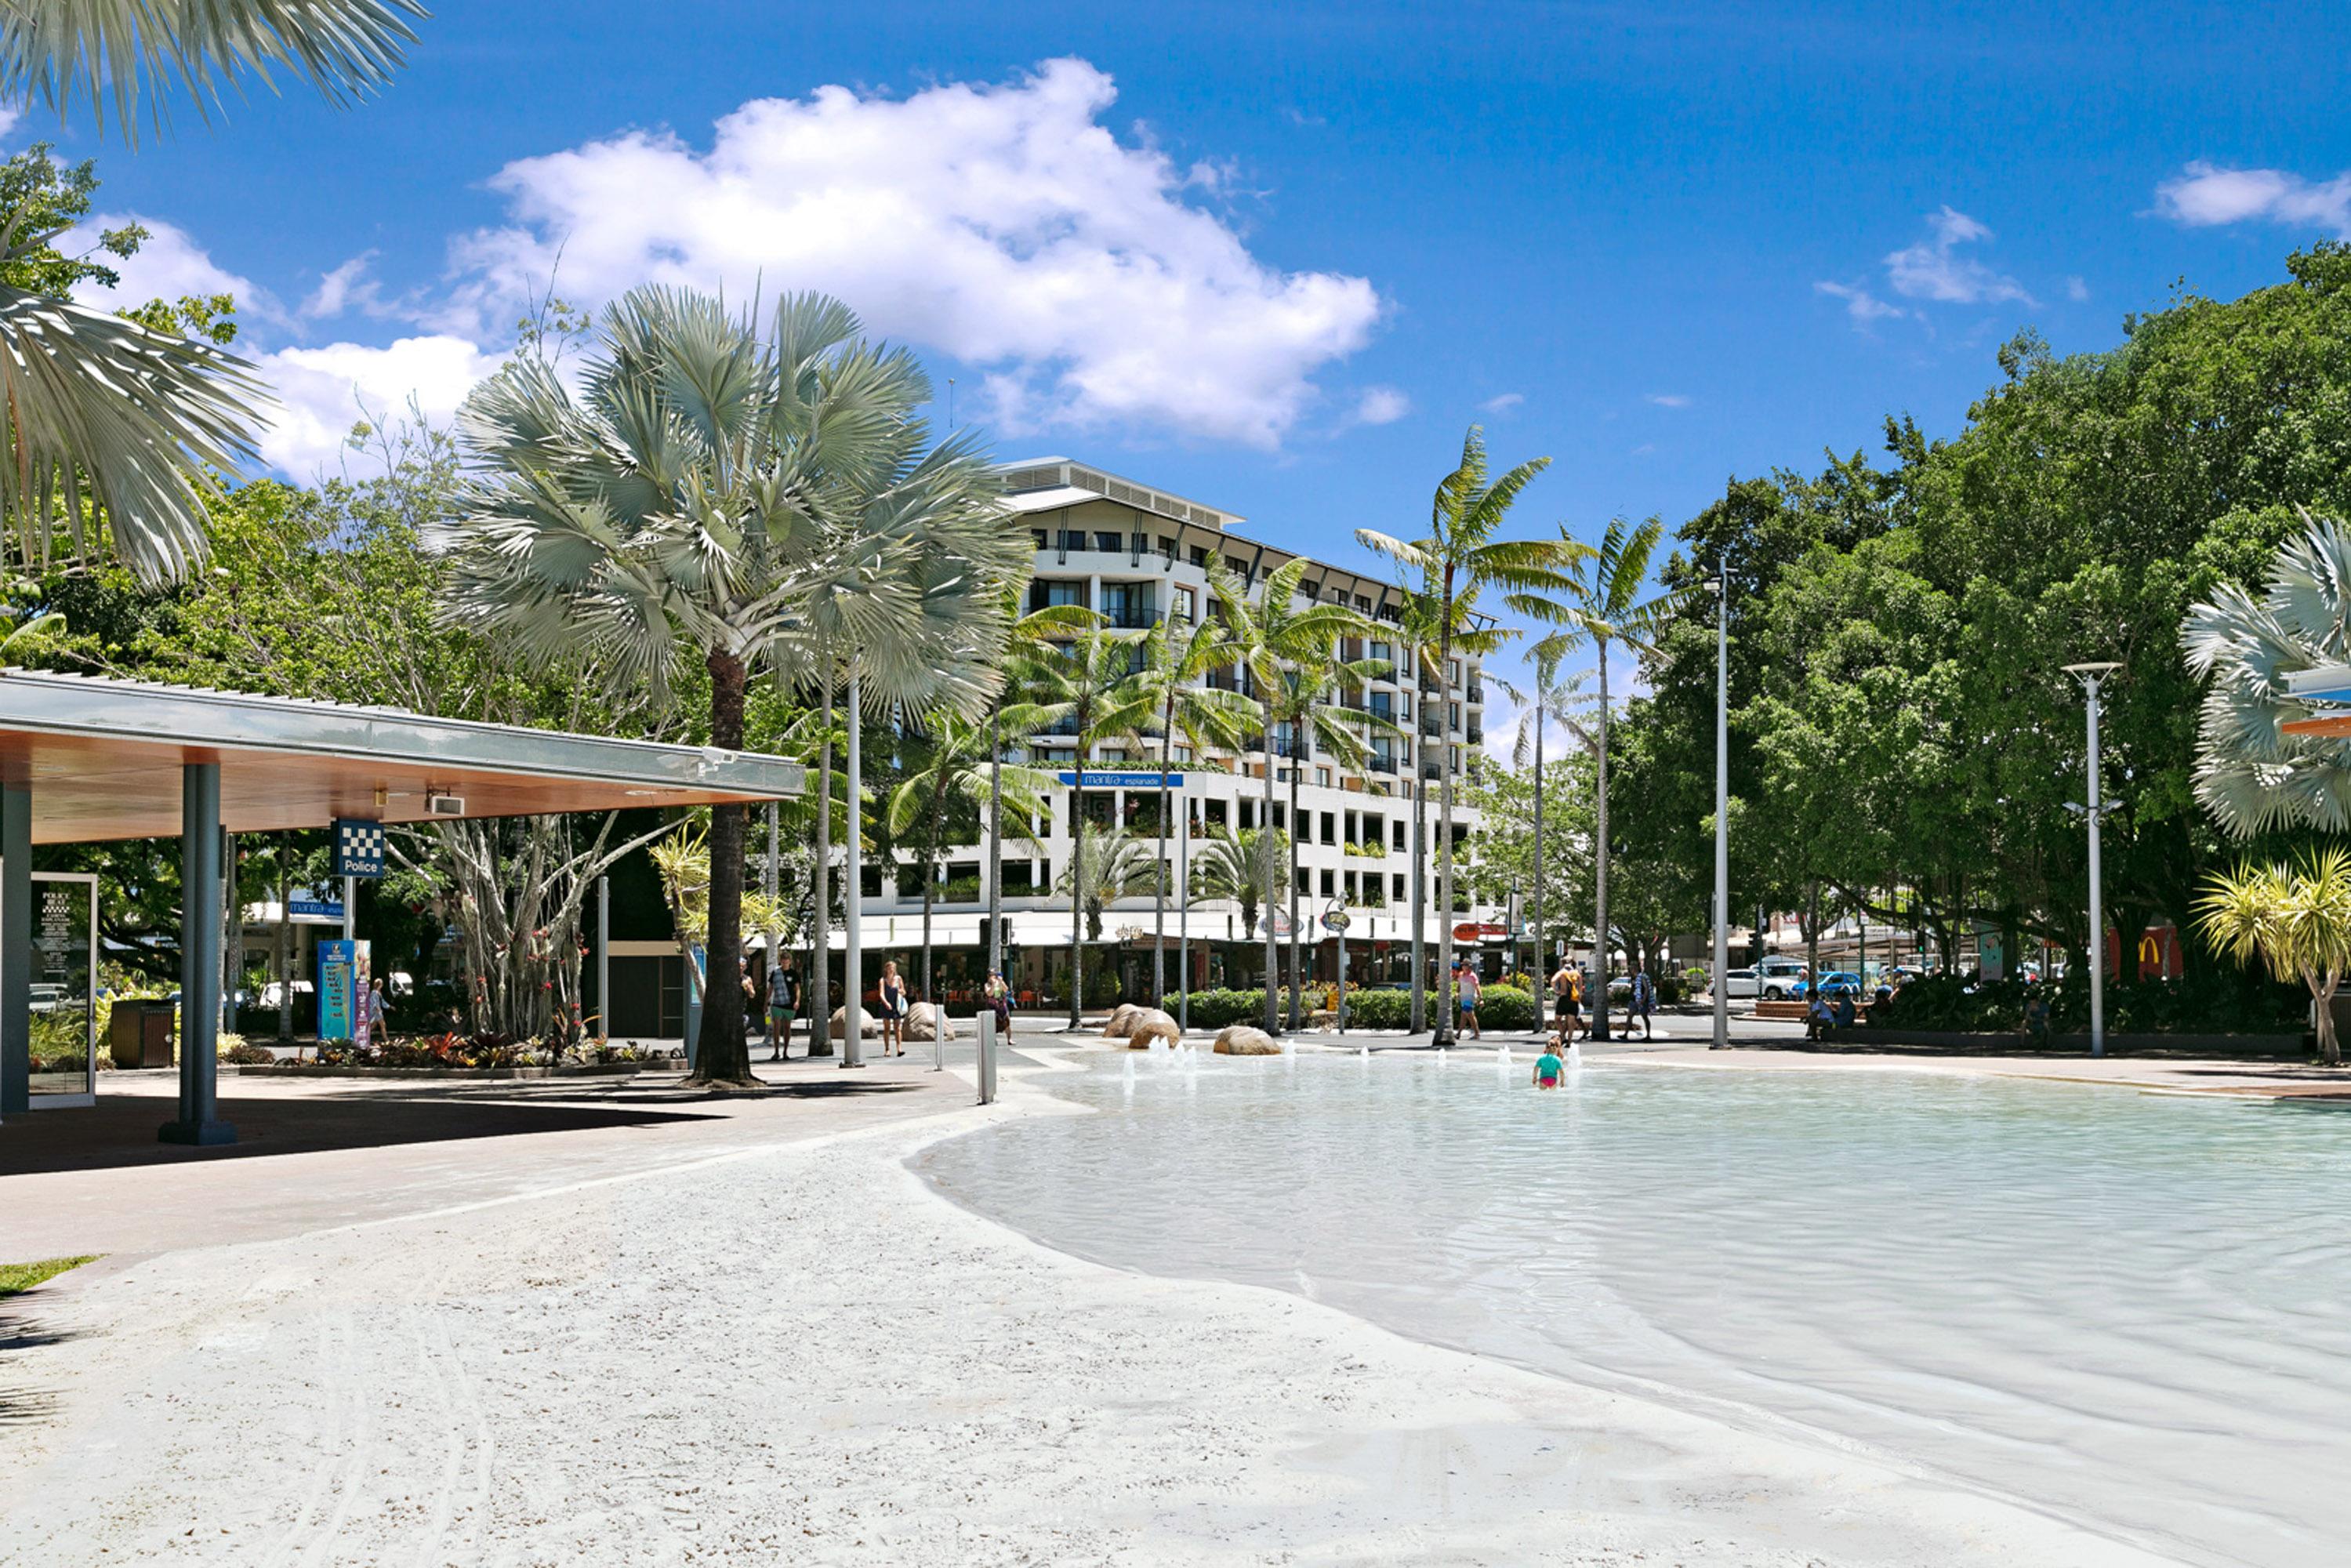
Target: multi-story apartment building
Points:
(1135, 555)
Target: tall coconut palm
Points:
(1085, 689)
(1459, 554)
(1270, 634)
(730, 489)
(110, 427)
(2252, 775)
(1558, 699)
(1025, 637)
(1607, 601)
(1178, 657)
(956, 763)
(1311, 716)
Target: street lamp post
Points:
(1721, 586)
(2093, 676)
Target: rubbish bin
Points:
(138, 1032)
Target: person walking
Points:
(891, 1003)
(1562, 994)
(999, 993)
(1465, 984)
(1644, 998)
(783, 1006)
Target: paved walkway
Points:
(317, 1151)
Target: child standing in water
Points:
(1550, 1067)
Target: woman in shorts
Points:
(891, 1004)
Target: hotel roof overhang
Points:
(102, 759)
(2322, 683)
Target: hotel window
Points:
(1107, 542)
(1322, 777)
(1046, 593)
(1330, 820)
(1386, 652)
(1364, 605)
(1398, 879)
(1044, 543)
(1184, 754)
(1167, 548)
(1071, 538)
(1331, 885)
(1186, 607)
(1200, 559)
(1396, 830)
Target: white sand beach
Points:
(799, 1353)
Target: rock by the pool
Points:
(1122, 1019)
(1151, 1024)
(923, 1017)
(1241, 1040)
(868, 1028)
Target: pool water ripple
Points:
(2127, 1310)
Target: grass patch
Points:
(17, 1278)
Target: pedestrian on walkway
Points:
(1645, 997)
(783, 1006)
(1465, 984)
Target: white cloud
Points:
(2076, 290)
(2203, 195)
(1004, 225)
(1381, 405)
(1669, 399)
(1860, 304)
(347, 287)
(1933, 268)
(168, 264)
(324, 391)
(1502, 402)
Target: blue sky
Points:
(1277, 257)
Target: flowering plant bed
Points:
(362, 1069)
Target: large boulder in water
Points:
(1242, 1040)
(868, 1027)
(1151, 1024)
(923, 1018)
(1121, 1021)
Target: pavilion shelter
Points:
(86, 759)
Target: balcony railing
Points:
(1133, 618)
(1382, 764)
(1477, 732)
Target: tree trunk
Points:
(1448, 1011)
(1601, 942)
(285, 938)
(1297, 954)
(820, 877)
(931, 878)
(1078, 886)
(2330, 1050)
(994, 839)
(722, 1055)
(1542, 966)
(1813, 937)
(1419, 849)
(1159, 874)
(1272, 944)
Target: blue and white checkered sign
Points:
(359, 848)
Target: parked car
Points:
(1835, 983)
(1780, 979)
(1739, 982)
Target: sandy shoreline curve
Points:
(802, 1353)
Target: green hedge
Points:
(2211, 1002)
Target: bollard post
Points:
(986, 1021)
(939, 1037)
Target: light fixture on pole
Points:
(1720, 583)
(2093, 676)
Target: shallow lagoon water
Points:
(2129, 1311)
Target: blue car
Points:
(1835, 983)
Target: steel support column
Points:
(200, 959)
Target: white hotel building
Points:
(1136, 554)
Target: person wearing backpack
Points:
(1644, 999)
(783, 1006)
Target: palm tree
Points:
(958, 765)
(1025, 638)
(2296, 919)
(2251, 774)
(1603, 604)
(1114, 864)
(715, 493)
(1270, 636)
(1177, 658)
(111, 426)
(1460, 554)
(1237, 868)
(1307, 721)
(1085, 689)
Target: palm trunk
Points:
(1272, 944)
(1419, 851)
(1602, 944)
(1447, 1010)
(1297, 949)
(1159, 884)
(722, 1055)
(2330, 1050)
(931, 879)
(285, 938)
(1078, 886)
(994, 839)
(1543, 968)
(821, 971)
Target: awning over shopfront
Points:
(85, 758)
(2326, 683)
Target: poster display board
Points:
(343, 990)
